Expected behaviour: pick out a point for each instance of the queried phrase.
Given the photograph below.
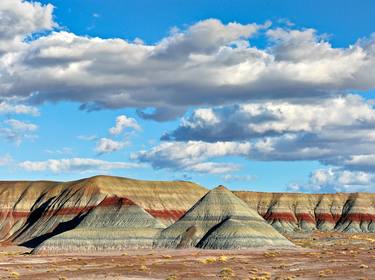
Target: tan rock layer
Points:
(115, 224)
(31, 210)
(220, 220)
(293, 211)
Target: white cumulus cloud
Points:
(8, 108)
(19, 19)
(16, 130)
(5, 160)
(333, 180)
(192, 156)
(336, 131)
(123, 122)
(209, 63)
(106, 145)
(75, 165)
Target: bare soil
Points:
(319, 256)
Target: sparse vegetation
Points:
(167, 256)
(271, 254)
(325, 272)
(227, 273)
(14, 274)
(208, 260)
(223, 258)
(171, 277)
(143, 268)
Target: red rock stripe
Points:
(360, 217)
(67, 210)
(280, 216)
(166, 214)
(305, 217)
(114, 200)
(328, 217)
(16, 214)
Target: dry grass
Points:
(362, 237)
(227, 273)
(223, 259)
(325, 272)
(258, 278)
(14, 274)
(208, 260)
(271, 254)
(167, 256)
(143, 268)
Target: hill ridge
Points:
(212, 211)
(30, 209)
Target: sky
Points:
(256, 95)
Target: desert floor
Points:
(319, 256)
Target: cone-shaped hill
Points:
(220, 220)
(116, 223)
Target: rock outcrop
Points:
(220, 220)
(115, 224)
(31, 212)
(290, 212)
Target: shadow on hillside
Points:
(62, 227)
(34, 216)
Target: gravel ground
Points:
(320, 256)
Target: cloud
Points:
(106, 145)
(192, 156)
(123, 122)
(19, 19)
(63, 151)
(87, 137)
(238, 178)
(5, 160)
(7, 108)
(15, 130)
(364, 160)
(21, 125)
(207, 64)
(262, 119)
(287, 101)
(211, 167)
(336, 131)
(333, 180)
(75, 165)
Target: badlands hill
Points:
(31, 212)
(288, 212)
(136, 213)
(220, 220)
(115, 224)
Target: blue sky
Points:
(256, 95)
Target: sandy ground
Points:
(320, 256)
